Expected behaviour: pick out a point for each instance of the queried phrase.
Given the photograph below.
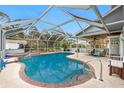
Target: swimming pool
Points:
(54, 68)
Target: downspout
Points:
(122, 43)
(1, 39)
(2, 43)
(77, 47)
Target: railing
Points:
(78, 74)
(101, 68)
(27, 56)
(42, 49)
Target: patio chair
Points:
(116, 67)
(103, 52)
(98, 52)
(89, 51)
(93, 52)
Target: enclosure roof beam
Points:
(40, 17)
(17, 22)
(54, 27)
(64, 34)
(79, 25)
(63, 39)
(58, 38)
(59, 32)
(108, 13)
(41, 34)
(12, 29)
(93, 23)
(69, 15)
(50, 37)
(72, 17)
(81, 7)
(50, 24)
(15, 33)
(66, 22)
(100, 17)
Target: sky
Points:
(55, 15)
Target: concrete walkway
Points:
(9, 77)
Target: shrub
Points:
(27, 48)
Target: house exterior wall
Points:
(114, 45)
(91, 29)
(12, 45)
(115, 15)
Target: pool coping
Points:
(58, 85)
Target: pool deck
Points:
(9, 77)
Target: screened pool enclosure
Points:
(49, 31)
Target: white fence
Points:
(81, 50)
(12, 51)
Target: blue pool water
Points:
(53, 68)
